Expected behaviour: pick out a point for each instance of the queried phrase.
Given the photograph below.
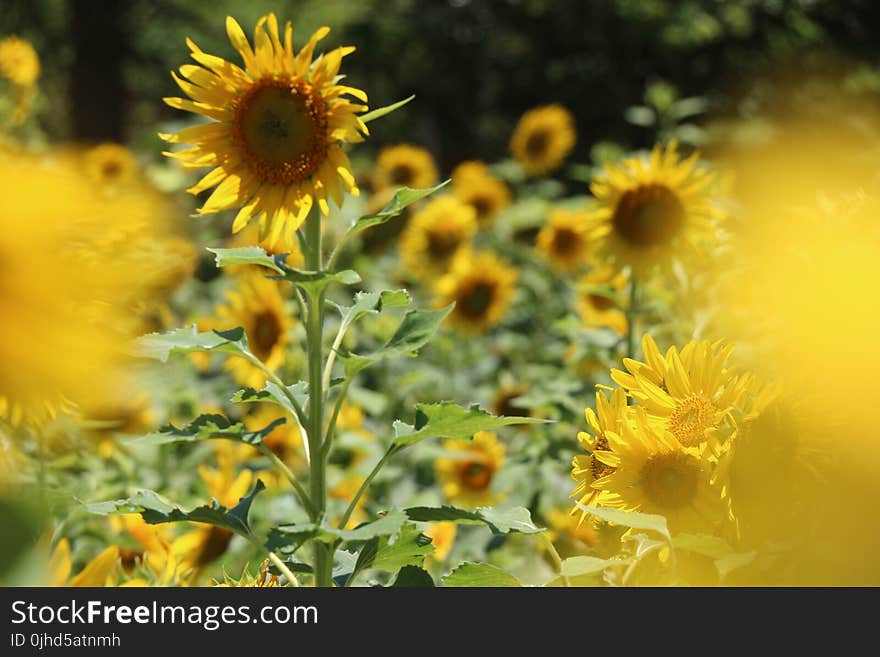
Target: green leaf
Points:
(161, 346)
(273, 393)
(449, 420)
(413, 577)
(155, 510)
(398, 204)
(703, 544)
(471, 574)
(415, 330)
(632, 519)
(372, 303)
(210, 426)
(731, 562)
(382, 111)
(352, 363)
(585, 565)
(249, 255)
(286, 539)
(386, 525)
(408, 547)
(640, 115)
(314, 282)
(500, 521)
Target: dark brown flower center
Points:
(600, 301)
(265, 334)
(402, 174)
(280, 126)
(670, 480)
(476, 475)
(565, 241)
(476, 301)
(537, 143)
(442, 244)
(650, 215)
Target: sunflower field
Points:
(455, 294)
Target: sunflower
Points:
(467, 477)
(98, 572)
(482, 287)
(283, 244)
(275, 144)
(258, 305)
(608, 417)
(442, 535)
(435, 234)
(404, 166)
(691, 394)
(120, 415)
(653, 210)
(564, 240)
(543, 138)
(597, 298)
(472, 183)
(569, 535)
(198, 548)
(504, 402)
(654, 473)
(110, 165)
(20, 65)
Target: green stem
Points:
(315, 427)
(632, 314)
(357, 496)
(557, 560)
(331, 427)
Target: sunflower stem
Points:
(357, 496)
(557, 560)
(315, 430)
(632, 315)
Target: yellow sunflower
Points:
(258, 305)
(482, 287)
(473, 184)
(598, 292)
(404, 165)
(284, 243)
(691, 394)
(435, 234)
(543, 138)
(442, 535)
(19, 62)
(653, 210)
(466, 478)
(198, 548)
(608, 417)
(110, 165)
(564, 240)
(120, 415)
(654, 473)
(275, 144)
(98, 572)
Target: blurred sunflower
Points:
(564, 240)
(279, 125)
(257, 304)
(597, 298)
(504, 402)
(466, 478)
(654, 473)
(19, 62)
(482, 287)
(569, 534)
(198, 548)
(110, 165)
(691, 394)
(608, 417)
(543, 138)
(118, 415)
(442, 535)
(472, 183)
(404, 165)
(653, 210)
(435, 234)
(98, 572)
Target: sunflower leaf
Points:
(500, 521)
(471, 574)
(383, 111)
(371, 303)
(273, 393)
(586, 565)
(404, 197)
(449, 420)
(413, 577)
(391, 552)
(161, 346)
(208, 427)
(249, 255)
(647, 521)
(414, 331)
(155, 510)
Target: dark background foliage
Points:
(474, 66)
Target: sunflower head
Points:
(609, 416)
(19, 62)
(654, 210)
(275, 143)
(543, 138)
(656, 474)
(475, 185)
(110, 165)
(481, 286)
(435, 234)
(404, 165)
(258, 305)
(466, 477)
(564, 240)
(598, 292)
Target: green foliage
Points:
(211, 426)
(471, 574)
(161, 346)
(500, 521)
(631, 519)
(413, 577)
(402, 198)
(449, 420)
(383, 111)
